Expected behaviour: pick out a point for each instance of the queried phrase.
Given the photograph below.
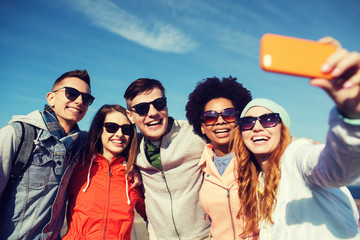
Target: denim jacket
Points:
(36, 206)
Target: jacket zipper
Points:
(108, 199)
(229, 203)
(171, 200)
(231, 216)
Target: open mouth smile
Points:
(260, 139)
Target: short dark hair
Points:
(81, 74)
(211, 88)
(142, 85)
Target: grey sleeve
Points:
(8, 146)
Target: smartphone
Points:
(294, 56)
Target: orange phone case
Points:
(294, 56)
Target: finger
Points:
(353, 80)
(349, 61)
(330, 65)
(135, 183)
(330, 40)
(321, 83)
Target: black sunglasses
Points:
(268, 120)
(143, 108)
(112, 127)
(72, 94)
(230, 115)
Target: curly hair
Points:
(256, 205)
(211, 88)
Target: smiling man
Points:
(33, 203)
(168, 157)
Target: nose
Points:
(220, 120)
(79, 100)
(119, 132)
(152, 110)
(258, 126)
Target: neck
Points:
(67, 127)
(221, 151)
(109, 156)
(262, 160)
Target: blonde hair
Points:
(257, 206)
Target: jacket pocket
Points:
(41, 172)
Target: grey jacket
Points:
(35, 208)
(172, 195)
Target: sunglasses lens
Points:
(71, 93)
(87, 99)
(127, 129)
(266, 120)
(210, 117)
(111, 127)
(142, 108)
(247, 123)
(230, 115)
(269, 120)
(159, 104)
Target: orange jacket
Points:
(98, 206)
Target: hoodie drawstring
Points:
(126, 180)
(88, 176)
(127, 185)
(127, 190)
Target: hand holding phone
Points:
(294, 56)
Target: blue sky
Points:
(177, 42)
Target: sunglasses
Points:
(112, 127)
(268, 120)
(72, 94)
(230, 115)
(143, 108)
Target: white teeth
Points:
(153, 123)
(75, 109)
(260, 138)
(117, 141)
(221, 131)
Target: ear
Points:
(202, 129)
(50, 97)
(130, 116)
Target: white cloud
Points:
(154, 34)
(239, 42)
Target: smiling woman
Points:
(292, 188)
(213, 110)
(101, 202)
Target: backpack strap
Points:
(21, 158)
(24, 151)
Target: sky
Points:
(177, 42)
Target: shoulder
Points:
(183, 126)
(34, 118)
(182, 129)
(11, 133)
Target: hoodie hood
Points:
(34, 118)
